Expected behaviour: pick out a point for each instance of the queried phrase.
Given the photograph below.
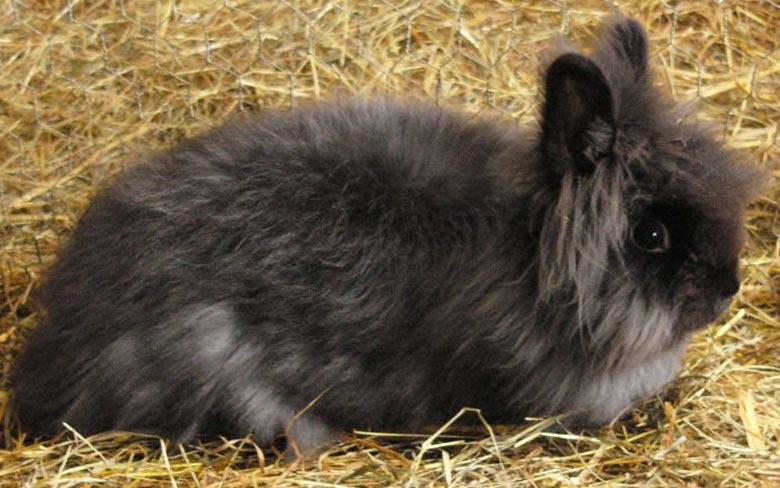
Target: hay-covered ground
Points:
(85, 86)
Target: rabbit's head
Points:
(641, 218)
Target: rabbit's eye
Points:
(651, 236)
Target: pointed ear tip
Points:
(636, 27)
(628, 26)
(627, 38)
(575, 67)
(571, 62)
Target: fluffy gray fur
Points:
(376, 264)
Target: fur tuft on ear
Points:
(623, 47)
(578, 126)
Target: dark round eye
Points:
(651, 236)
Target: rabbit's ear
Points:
(624, 41)
(578, 126)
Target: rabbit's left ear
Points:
(578, 126)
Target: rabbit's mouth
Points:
(698, 313)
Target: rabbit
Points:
(379, 264)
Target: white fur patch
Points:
(604, 398)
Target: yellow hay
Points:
(85, 86)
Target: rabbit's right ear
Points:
(578, 125)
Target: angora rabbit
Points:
(377, 264)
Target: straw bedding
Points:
(86, 86)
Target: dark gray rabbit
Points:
(376, 264)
